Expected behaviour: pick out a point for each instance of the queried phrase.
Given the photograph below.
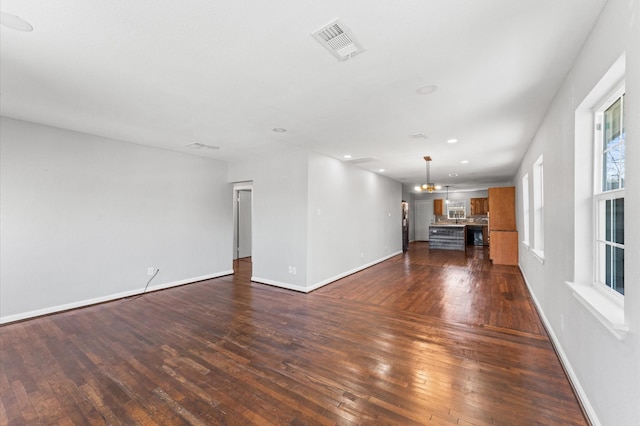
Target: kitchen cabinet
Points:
(503, 236)
(502, 209)
(485, 235)
(503, 249)
(447, 237)
(479, 206)
(437, 207)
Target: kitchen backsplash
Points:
(479, 219)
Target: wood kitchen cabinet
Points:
(503, 236)
(503, 249)
(479, 206)
(502, 209)
(437, 207)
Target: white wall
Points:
(318, 215)
(279, 216)
(83, 217)
(354, 219)
(605, 370)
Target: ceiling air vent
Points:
(338, 40)
(362, 160)
(418, 136)
(198, 145)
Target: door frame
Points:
(237, 188)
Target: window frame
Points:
(538, 207)
(599, 301)
(458, 208)
(599, 194)
(525, 209)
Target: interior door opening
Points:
(243, 224)
(242, 221)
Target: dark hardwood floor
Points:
(428, 337)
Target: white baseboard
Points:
(564, 360)
(323, 282)
(352, 271)
(82, 303)
(279, 284)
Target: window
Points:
(456, 210)
(538, 209)
(525, 208)
(599, 186)
(608, 198)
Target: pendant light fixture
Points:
(428, 186)
(447, 199)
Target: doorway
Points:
(242, 220)
(243, 233)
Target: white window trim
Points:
(609, 195)
(606, 307)
(607, 310)
(538, 209)
(539, 255)
(598, 193)
(525, 209)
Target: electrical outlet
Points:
(150, 270)
(291, 269)
(294, 270)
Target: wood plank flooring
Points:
(428, 337)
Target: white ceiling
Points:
(166, 74)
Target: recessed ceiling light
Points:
(453, 175)
(15, 22)
(427, 90)
(464, 161)
(347, 156)
(381, 170)
(452, 141)
(279, 130)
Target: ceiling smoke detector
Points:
(338, 40)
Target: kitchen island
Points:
(448, 237)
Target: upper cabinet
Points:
(502, 209)
(437, 207)
(479, 206)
